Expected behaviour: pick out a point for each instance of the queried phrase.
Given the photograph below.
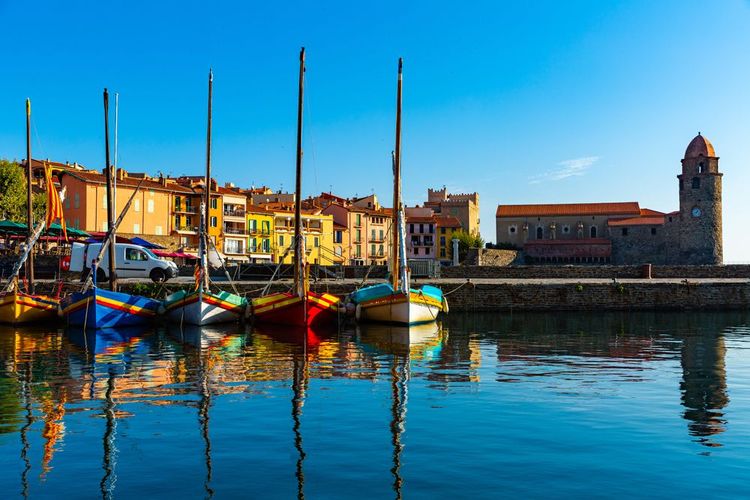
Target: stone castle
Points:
(625, 233)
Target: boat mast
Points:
(299, 247)
(395, 232)
(29, 207)
(207, 201)
(110, 199)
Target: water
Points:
(533, 405)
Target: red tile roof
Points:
(447, 221)
(99, 178)
(637, 221)
(571, 209)
(645, 212)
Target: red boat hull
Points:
(288, 309)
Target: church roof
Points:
(570, 209)
(699, 146)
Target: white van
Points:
(133, 261)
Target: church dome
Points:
(700, 146)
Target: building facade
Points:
(625, 233)
(463, 206)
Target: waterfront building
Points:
(234, 226)
(463, 206)
(625, 233)
(446, 225)
(420, 233)
(364, 222)
(260, 234)
(215, 212)
(317, 229)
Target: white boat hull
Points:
(402, 313)
(201, 313)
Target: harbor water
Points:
(477, 406)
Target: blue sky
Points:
(523, 102)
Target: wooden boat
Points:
(201, 306)
(301, 307)
(94, 307)
(99, 308)
(17, 307)
(396, 302)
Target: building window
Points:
(372, 249)
(76, 201)
(104, 226)
(136, 228)
(442, 241)
(150, 206)
(653, 230)
(442, 252)
(177, 202)
(566, 229)
(137, 205)
(592, 231)
(358, 251)
(358, 220)
(696, 182)
(189, 222)
(411, 228)
(416, 251)
(104, 201)
(177, 222)
(214, 203)
(701, 168)
(381, 235)
(670, 219)
(266, 245)
(338, 237)
(624, 231)
(431, 227)
(442, 230)
(512, 229)
(281, 240)
(266, 226)
(158, 230)
(372, 234)
(67, 202)
(539, 233)
(337, 251)
(357, 236)
(421, 228)
(316, 242)
(380, 251)
(214, 221)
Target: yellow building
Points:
(215, 213)
(317, 228)
(260, 234)
(446, 226)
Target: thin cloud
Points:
(567, 168)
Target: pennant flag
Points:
(54, 205)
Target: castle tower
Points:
(700, 234)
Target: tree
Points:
(465, 241)
(13, 199)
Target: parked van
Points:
(133, 261)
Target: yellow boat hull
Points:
(17, 308)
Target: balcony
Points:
(238, 213)
(238, 231)
(187, 229)
(185, 209)
(254, 231)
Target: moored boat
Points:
(17, 307)
(396, 302)
(99, 308)
(300, 307)
(201, 306)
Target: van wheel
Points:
(101, 276)
(158, 276)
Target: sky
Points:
(522, 102)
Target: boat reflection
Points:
(403, 344)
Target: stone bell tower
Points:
(700, 234)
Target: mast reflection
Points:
(403, 344)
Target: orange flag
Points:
(54, 205)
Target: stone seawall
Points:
(585, 272)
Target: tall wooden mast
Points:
(110, 199)
(299, 248)
(29, 200)
(207, 202)
(395, 230)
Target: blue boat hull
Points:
(97, 308)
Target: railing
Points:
(261, 232)
(237, 231)
(186, 209)
(188, 228)
(234, 213)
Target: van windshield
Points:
(151, 254)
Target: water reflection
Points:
(49, 377)
(402, 344)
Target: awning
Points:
(144, 243)
(175, 255)
(260, 256)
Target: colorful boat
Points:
(318, 309)
(18, 307)
(94, 307)
(301, 307)
(380, 303)
(201, 306)
(396, 302)
(98, 308)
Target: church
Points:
(623, 232)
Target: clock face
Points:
(696, 212)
